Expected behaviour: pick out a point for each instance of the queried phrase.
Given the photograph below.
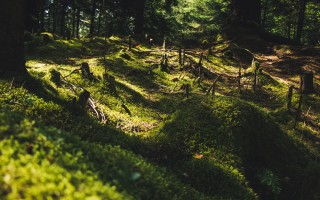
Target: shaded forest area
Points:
(160, 99)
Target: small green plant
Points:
(271, 181)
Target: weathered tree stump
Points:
(126, 109)
(200, 65)
(210, 50)
(187, 90)
(180, 56)
(130, 43)
(213, 86)
(307, 82)
(200, 59)
(84, 98)
(164, 63)
(55, 77)
(289, 97)
(184, 56)
(85, 70)
(239, 79)
(164, 44)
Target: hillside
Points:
(152, 130)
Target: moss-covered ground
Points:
(156, 141)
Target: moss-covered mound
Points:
(42, 163)
(232, 141)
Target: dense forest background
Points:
(173, 19)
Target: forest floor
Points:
(153, 131)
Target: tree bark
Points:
(265, 11)
(93, 15)
(54, 16)
(11, 38)
(302, 10)
(41, 17)
(73, 33)
(78, 23)
(99, 18)
(307, 82)
(63, 18)
(139, 18)
(31, 16)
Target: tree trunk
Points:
(63, 19)
(139, 20)
(73, 19)
(93, 15)
(307, 82)
(11, 38)
(54, 17)
(289, 23)
(302, 10)
(78, 23)
(265, 11)
(99, 18)
(42, 11)
(246, 10)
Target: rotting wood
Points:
(126, 109)
(307, 82)
(55, 77)
(72, 73)
(84, 98)
(213, 85)
(239, 79)
(130, 43)
(100, 115)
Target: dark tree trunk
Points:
(289, 24)
(73, 19)
(11, 38)
(139, 20)
(31, 16)
(42, 11)
(93, 15)
(246, 10)
(54, 17)
(265, 11)
(73, 22)
(63, 18)
(302, 10)
(78, 23)
(99, 19)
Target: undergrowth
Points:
(157, 142)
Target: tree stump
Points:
(180, 56)
(183, 56)
(210, 50)
(130, 43)
(200, 64)
(164, 63)
(55, 77)
(187, 90)
(307, 82)
(84, 98)
(289, 97)
(85, 70)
